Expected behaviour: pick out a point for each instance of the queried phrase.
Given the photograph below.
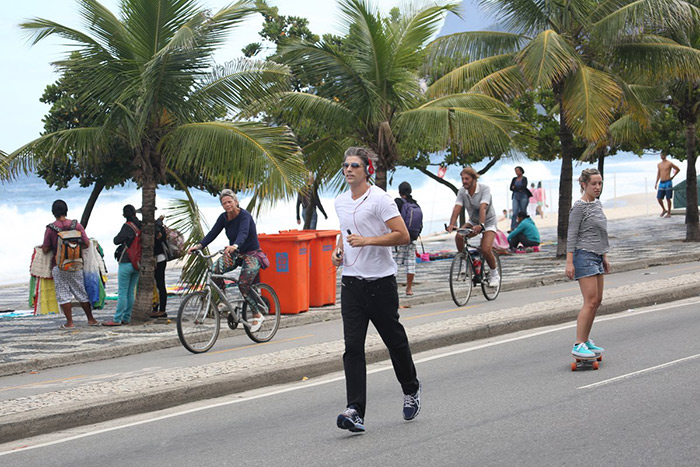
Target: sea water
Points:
(25, 204)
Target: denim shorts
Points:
(587, 264)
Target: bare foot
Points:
(663, 213)
(668, 216)
(409, 292)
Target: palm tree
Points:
(565, 47)
(679, 48)
(368, 91)
(154, 89)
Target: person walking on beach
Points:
(128, 274)
(541, 200)
(68, 282)
(664, 183)
(371, 224)
(406, 254)
(521, 195)
(586, 258)
(308, 200)
(477, 201)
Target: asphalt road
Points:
(240, 346)
(507, 401)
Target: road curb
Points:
(313, 316)
(51, 419)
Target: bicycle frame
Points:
(235, 311)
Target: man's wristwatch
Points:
(482, 227)
(235, 245)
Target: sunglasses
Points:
(354, 165)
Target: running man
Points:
(476, 199)
(664, 183)
(371, 224)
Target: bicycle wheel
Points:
(197, 322)
(271, 313)
(486, 287)
(461, 279)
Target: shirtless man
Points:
(664, 184)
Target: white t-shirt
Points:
(366, 216)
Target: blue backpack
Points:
(413, 217)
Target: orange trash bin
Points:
(289, 272)
(322, 279)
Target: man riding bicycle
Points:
(477, 201)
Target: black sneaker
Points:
(411, 404)
(351, 420)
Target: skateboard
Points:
(586, 363)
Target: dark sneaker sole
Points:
(345, 423)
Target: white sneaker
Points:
(494, 278)
(256, 323)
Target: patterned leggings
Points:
(249, 272)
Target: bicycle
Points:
(198, 318)
(468, 269)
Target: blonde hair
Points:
(586, 175)
(227, 192)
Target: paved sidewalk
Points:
(33, 343)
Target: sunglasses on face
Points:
(354, 165)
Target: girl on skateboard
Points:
(586, 258)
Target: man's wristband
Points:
(482, 227)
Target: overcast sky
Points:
(27, 69)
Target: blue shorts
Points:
(587, 264)
(665, 190)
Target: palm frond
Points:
(414, 30)
(503, 84)
(680, 61)
(473, 45)
(466, 76)
(641, 15)
(85, 145)
(547, 59)
(478, 124)
(368, 39)
(590, 100)
(524, 16)
(346, 81)
(297, 107)
(238, 83)
(238, 154)
(184, 216)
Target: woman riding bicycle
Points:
(243, 245)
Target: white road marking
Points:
(384, 366)
(636, 373)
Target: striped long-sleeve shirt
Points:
(588, 228)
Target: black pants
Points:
(362, 301)
(521, 238)
(160, 284)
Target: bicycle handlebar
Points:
(463, 232)
(201, 253)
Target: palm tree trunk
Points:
(565, 177)
(143, 305)
(692, 227)
(96, 190)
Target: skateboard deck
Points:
(586, 363)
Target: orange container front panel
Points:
(289, 271)
(323, 273)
